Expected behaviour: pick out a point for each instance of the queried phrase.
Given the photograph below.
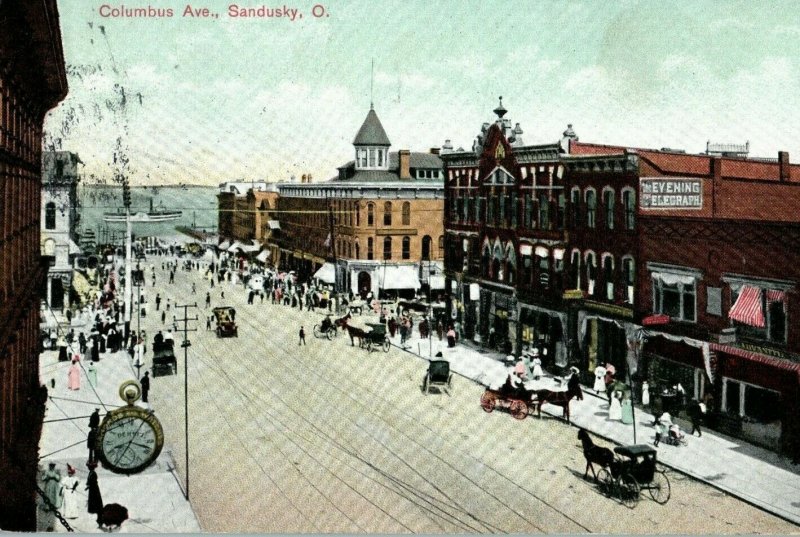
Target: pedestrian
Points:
(62, 349)
(451, 337)
(194, 288)
(52, 486)
(82, 343)
(163, 317)
(145, 382)
(94, 419)
(662, 427)
(69, 484)
(696, 412)
(537, 365)
(599, 382)
(158, 301)
(302, 337)
(91, 444)
(95, 503)
(208, 323)
(439, 329)
(222, 294)
(91, 374)
(74, 375)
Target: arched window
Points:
(629, 276)
(591, 207)
(629, 206)
(511, 263)
(50, 216)
(387, 248)
(608, 206)
(406, 248)
(426, 247)
(370, 254)
(486, 255)
(575, 202)
(544, 212)
(370, 214)
(591, 272)
(349, 249)
(406, 213)
(497, 261)
(387, 213)
(608, 275)
(358, 252)
(575, 269)
(358, 214)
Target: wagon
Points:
(633, 469)
(519, 404)
(164, 361)
(438, 376)
(226, 321)
(376, 337)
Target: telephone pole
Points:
(186, 344)
(332, 224)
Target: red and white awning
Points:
(773, 295)
(748, 309)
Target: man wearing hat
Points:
(574, 382)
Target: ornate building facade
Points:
(32, 81)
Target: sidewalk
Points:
(154, 498)
(753, 474)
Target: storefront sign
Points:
(474, 291)
(670, 193)
(572, 294)
(621, 311)
(777, 353)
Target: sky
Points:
(206, 100)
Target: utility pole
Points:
(126, 201)
(186, 344)
(332, 222)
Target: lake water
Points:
(198, 204)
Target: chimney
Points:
(404, 156)
(308, 178)
(303, 178)
(783, 161)
(435, 150)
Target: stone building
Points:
(32, 81)
(374, 227)
(59, 221)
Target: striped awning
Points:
(774, 295)
(748, 308)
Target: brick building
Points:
(376, 225)
(32, 80)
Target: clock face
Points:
(129, 440)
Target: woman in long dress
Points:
(68, 488)
(74, 375)
(599, 379)
(95, 502)
(52, 486)
(537, 366)
(615, 408)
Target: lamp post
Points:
(126, 200)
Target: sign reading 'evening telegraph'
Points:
(670, 193)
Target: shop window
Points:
(50, 216)
(406, 248)
(370, 253)
(370, 214)
(387, 248)
(761, 405)
(674, 298)
(608, 205)
(629, 206)
(591, 207)
(544, 212)
(387, 213)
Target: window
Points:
(562, 210)
(406, 248)
(426, 247)
(544, 212)
(608, 276)
(363, 160)
(528, 211)
(775, 319)
(370, 255)
(59, 168)
(608, 205)
(387, 213)
(576, 207)
(746, 400)
(490, 208)
(477, 209)
(674, 295)
(406, 213)
(467, 208)
(629, 203)
(628, 272)
(511, 264)
(441, 245)
(527, 269)
(502, 211)
(591, 206)
(358, 252)
(371, 158)
(358, 215)
(513, 209)
(575, 269)
(591, 272)
(380, 157)
(50, 216)
(370, 215)
(387, 248)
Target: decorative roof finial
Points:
(500, 111)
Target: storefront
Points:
(606, 340)
(544, 330)
(498, 320)
(669, 361)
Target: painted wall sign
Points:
(670, 193)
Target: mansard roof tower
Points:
(372, 144)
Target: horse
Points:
(341, 322)
(560, 398)
(354, 332)
(594, 454)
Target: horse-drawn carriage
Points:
(164, 361)
(633, 469)
(521, 401)
(326, 328)
(438, 376)
(370, 335)
(226, 321)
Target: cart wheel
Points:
(386, 345)
(605, 482)
(317, 332)
(629, 491)
(488, 401)
(659, 488)
(330, 333)
(519, 410)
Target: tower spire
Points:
(371, 82)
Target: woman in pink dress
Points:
(74, 375)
